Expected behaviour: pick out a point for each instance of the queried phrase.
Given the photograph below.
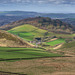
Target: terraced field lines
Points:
(24, 53)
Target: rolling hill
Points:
(27, 32)
(9, 19)
(69, 45)
(19, 13)
(10, 40)
(11, 16)
(34, 14)
(69, 20)
(68, 48)
(42, 23)
(59, 15)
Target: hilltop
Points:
(10, 40)
(42, 23)
(11, 16)
(27, 32)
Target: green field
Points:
(55, 42)
(69, 45)
(27, 32)
(23, 53)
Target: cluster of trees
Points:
(48, 21)
(43, 23)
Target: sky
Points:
(44, 6)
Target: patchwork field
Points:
(27, 32)
(55, 42)
(18, 60)
(22, 61)
(24, 53)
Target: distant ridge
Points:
(34, 14)
(7, 17)
(42, 23)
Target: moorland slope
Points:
(10, 40)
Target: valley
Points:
(37, 46)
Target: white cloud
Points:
(40, 1)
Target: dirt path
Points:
(57, 47)
(52, 39)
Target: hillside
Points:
(69, 45)
(68, 48)
(27, 32)
(69, 20)
(9, 19)
(10, 40)
(59, 15)
(34, 14)
(11, 16)
(42, 23)
(19, 13)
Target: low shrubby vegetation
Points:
(10, 40)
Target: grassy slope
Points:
(69, 45)
(10, 40)
(27, 32)
(18, 53)
(55, 42)
(68, 48)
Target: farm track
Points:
(52, 39)
(59, 46)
